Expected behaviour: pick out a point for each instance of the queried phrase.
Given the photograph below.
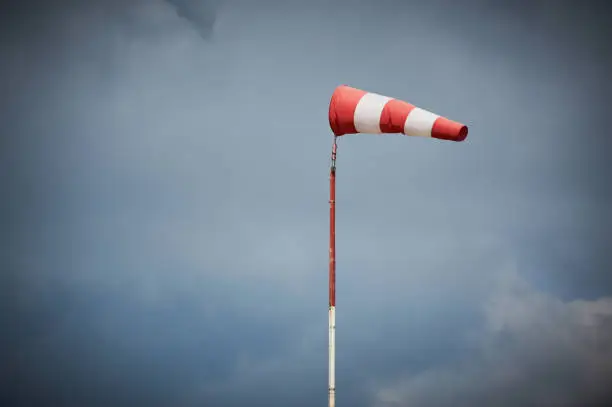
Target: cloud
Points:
(534, 350)
(202, 14)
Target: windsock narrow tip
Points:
(463, 133)
(446, 129)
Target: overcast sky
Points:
(164, 208)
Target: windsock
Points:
(354, 111)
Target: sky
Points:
(164, 182)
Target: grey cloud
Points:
(201, 13)
(534, 350)
(164, 202)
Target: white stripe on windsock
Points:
(419, 123)
(368, 112)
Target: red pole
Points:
(332, 228)
(332, 279)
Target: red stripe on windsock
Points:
(342, 109)
(394, 116)
(446, 129)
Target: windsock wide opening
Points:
(354, 111)
(342, 107)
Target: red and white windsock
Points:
(354, 111)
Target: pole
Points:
(332, 279)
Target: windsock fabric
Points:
(354, 111)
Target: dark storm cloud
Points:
(201, 13)
(164, 205)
